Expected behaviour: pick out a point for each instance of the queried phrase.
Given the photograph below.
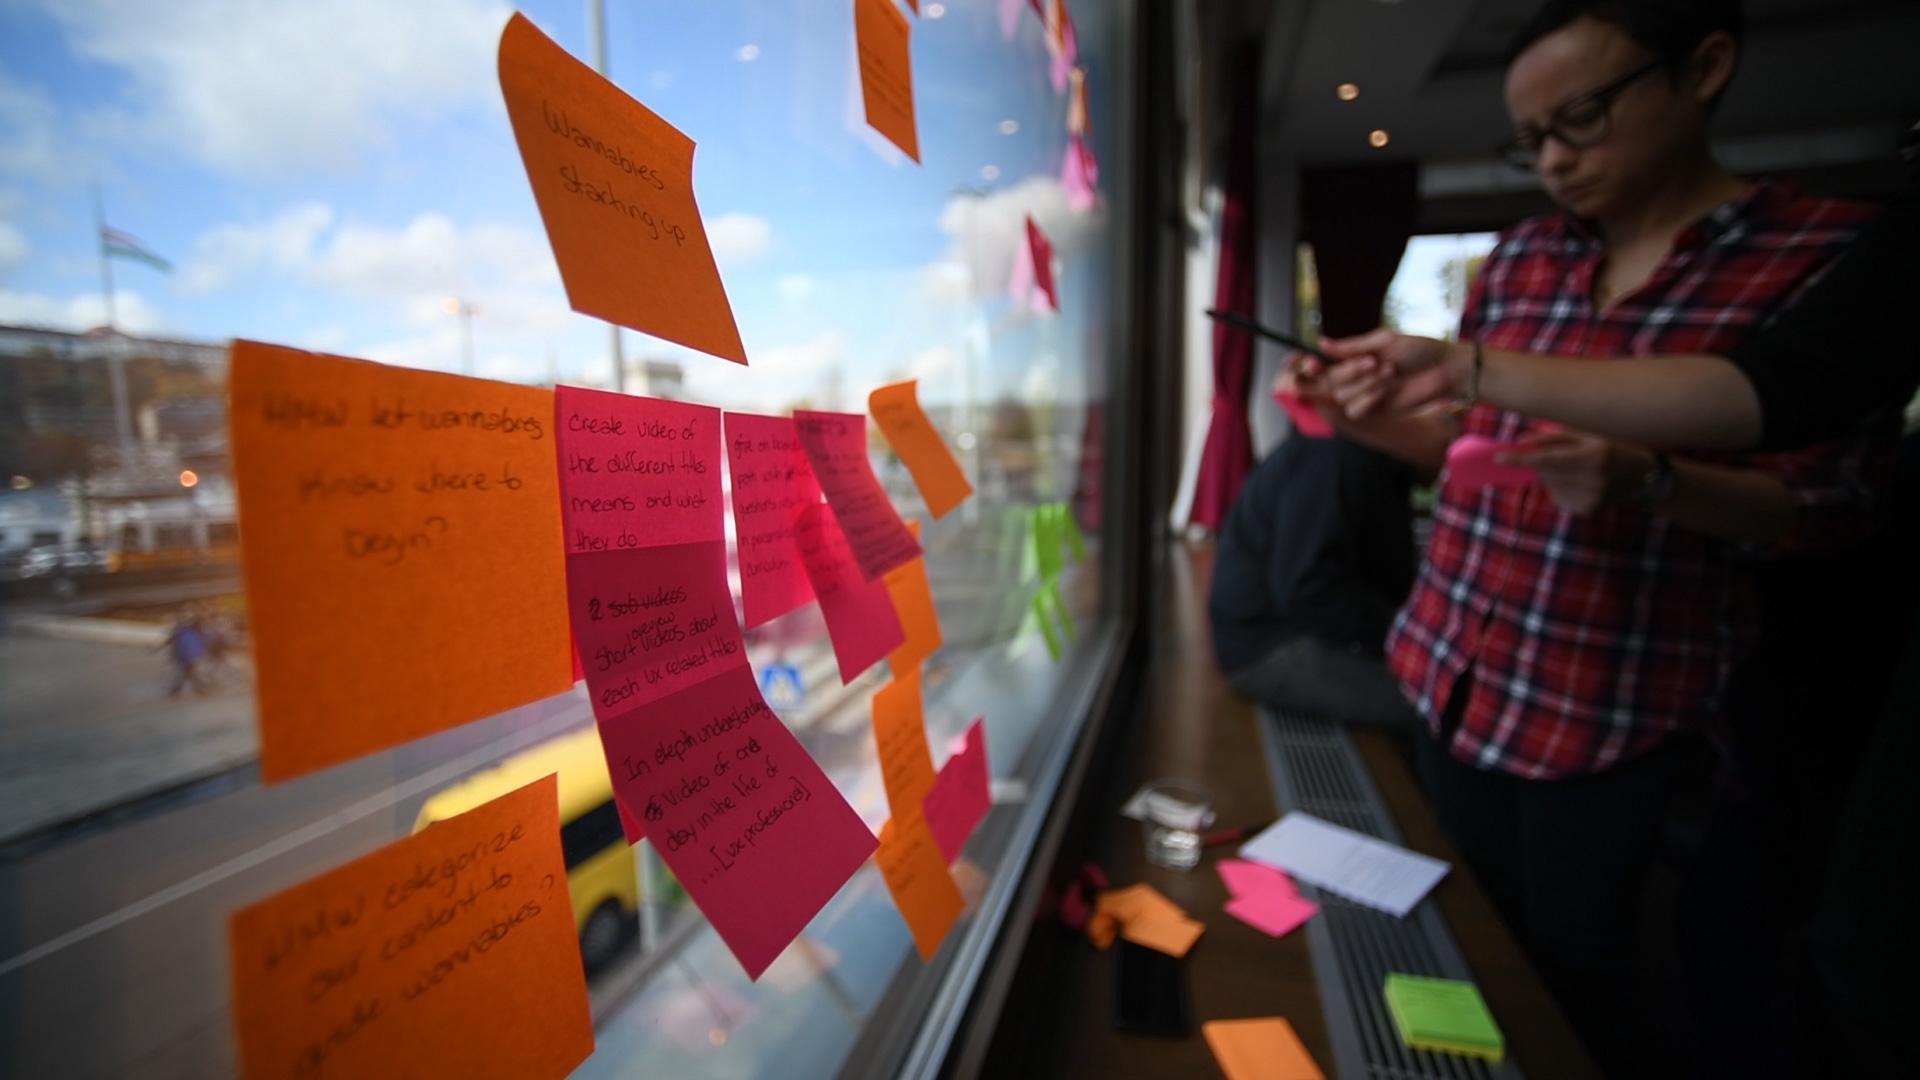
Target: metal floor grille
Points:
(1316, 769)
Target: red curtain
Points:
(1228, 455)
(1358, 220)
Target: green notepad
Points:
(1443, 1014)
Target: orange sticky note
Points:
(900, 732)
(886, 72)
(614, 183)
(920, 882)
(896, 410)
(402, 549)
(1265, 1048)
(912, 598)
(1171, 935)
(450, 953)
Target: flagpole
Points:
(116, 364)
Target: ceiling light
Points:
(1008, 127)
(747, 54)
(934, 11)
(1377, 138)
(989, 172)
(1347, 91)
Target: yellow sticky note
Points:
(402, 550)
(918, 878)
(1265, 1048)
(886, 72)
(614, 183)
(449, 953)
(896, 411)
(900, 732)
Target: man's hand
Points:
(1394, 373)
(1583, 472)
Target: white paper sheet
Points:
(1346, 863)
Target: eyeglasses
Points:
(1581, 123)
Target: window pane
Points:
(345, 180)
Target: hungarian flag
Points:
(113, 242)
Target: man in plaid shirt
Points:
(1564, 642)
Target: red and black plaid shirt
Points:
(1590, 638)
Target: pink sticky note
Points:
(742, 814)
(635, 472)
(836, 448)
(1066, 52)
(1041, 253)
(1244, 878)
(1009, 17)
(651, 622)
(630, 825)
(1306, 419)
(1079, 175)
(772, 483)
(860, 618)
(1272, 912)
(960, 794)
(1470, 464)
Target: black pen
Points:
(1268, 332)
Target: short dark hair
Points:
(1670, 29)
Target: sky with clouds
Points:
(328, 175)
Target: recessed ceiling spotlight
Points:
(1347, 91)
(934, 11)
(1377, 138)
(989, 172)
(1009, 127)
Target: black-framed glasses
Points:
(1581, 123)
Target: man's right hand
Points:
(1383, 371)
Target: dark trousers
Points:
(1564, 862)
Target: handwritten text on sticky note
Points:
(860, 618)
(896, 410)
(402, 551)
(881, 34)
(757, 834)
(449, 953)
(919, 881)
(614, 183)
(836, 447)
(635, 471)
(900, 734)
(772, 483)
(652, 621)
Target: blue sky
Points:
(325, 175)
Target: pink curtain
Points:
(1228, 455)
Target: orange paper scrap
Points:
(1265, 1048)
(886, 72)
(900, 732)
(896, 410)
(922, 886)
(912, 597)
(401, 539)
(614, 183)
(450, 953)
(1147, 918)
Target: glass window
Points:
(342, 177)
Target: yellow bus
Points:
(600, 869)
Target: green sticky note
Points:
(1443, 1014)
(1075, 541)
(1046, 542)
(1046, 624)
(1060, 608)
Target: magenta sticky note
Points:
(742, 814)
(1272, 912)
(772, 483)
(630, 825)
(1306, 419)
(1470, 463)
(1244, 878)
(960, 795)
(651, 622)
(861, 621)
(836, 447)
(1040, 253)
(636, 472)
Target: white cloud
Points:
(794, 288)
(13, 248)
(229, 252)
(739, 238)
(776, 377)
(86, 311)
(931, 364)
(276, 88)
(986, 229)
(28, 121)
